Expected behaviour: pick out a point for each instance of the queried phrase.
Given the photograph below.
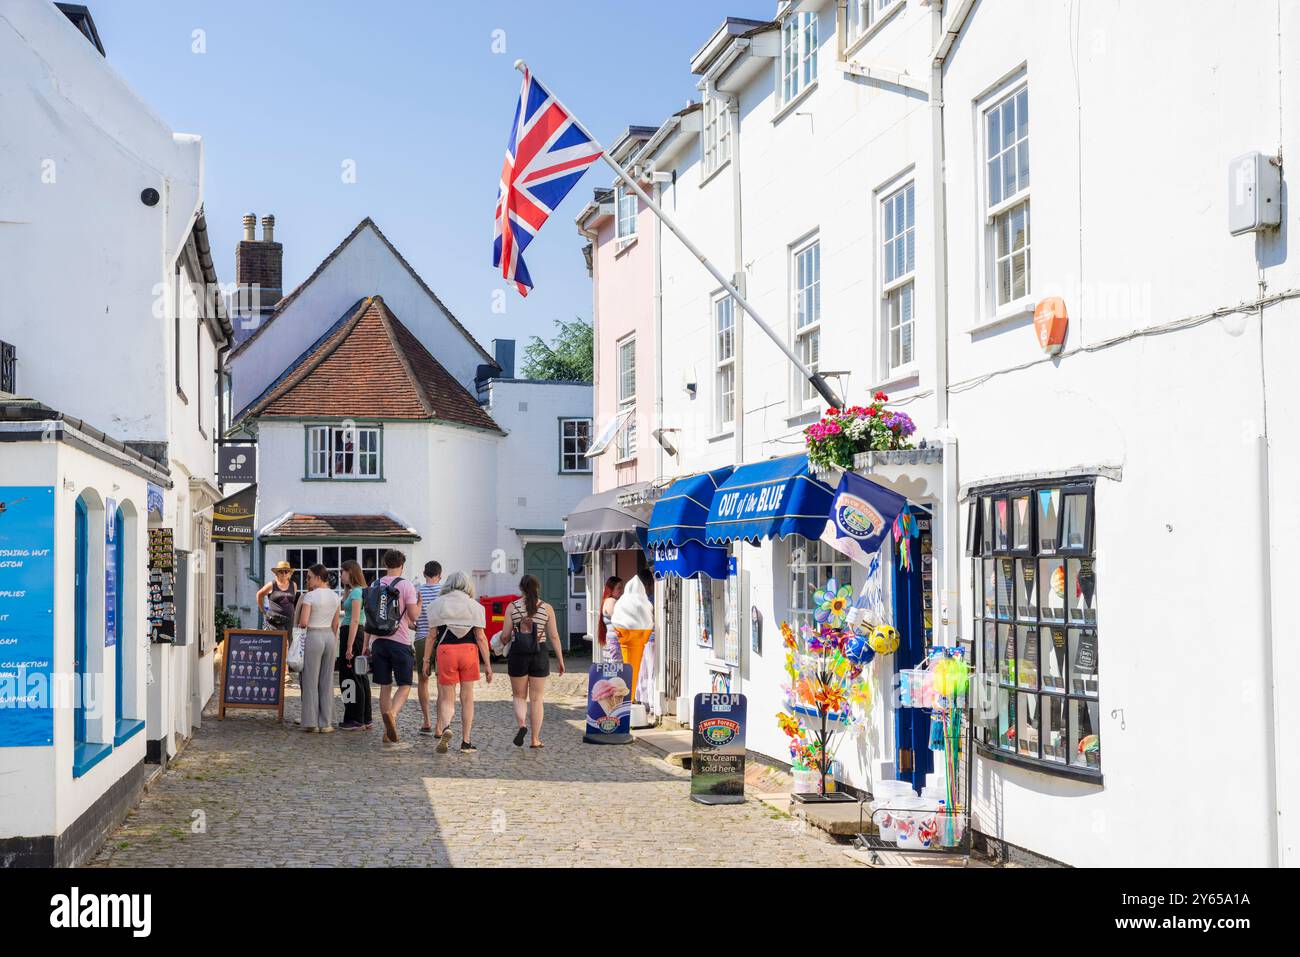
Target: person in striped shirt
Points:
(430, 588)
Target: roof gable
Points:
(371, 366)
(369, 223)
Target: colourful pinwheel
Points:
(833, 602)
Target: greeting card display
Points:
(162, 585)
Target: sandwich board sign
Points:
(252, 673)
(718, 749)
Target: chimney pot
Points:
(268, 229)
(250, 221)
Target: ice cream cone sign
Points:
(1050, 324)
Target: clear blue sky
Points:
(412, 92)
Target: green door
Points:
(547, 562)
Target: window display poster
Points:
(718, 749)
(704, 612)
(26, 615)
(110, 573)
(609, 709)
(253, 671)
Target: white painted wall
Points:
(531, 491)
(38, 794)
(1130, 226)
(364, 267)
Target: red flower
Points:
(881, 397)
(872, 412)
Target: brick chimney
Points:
(259, 270)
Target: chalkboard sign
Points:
(252, 672)
(718, 749)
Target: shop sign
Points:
(236, 463)
(26, 615)
(232, 517)
(718, 749)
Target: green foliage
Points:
(568, 357)
(225, 619)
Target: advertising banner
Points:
(236, 463)
(862, 513)
(609, 708)
(718, 749)
(26, 615)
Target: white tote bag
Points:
(297, 650)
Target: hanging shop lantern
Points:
(1050, 324)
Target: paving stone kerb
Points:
(249, 791)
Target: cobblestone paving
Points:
(249, 791)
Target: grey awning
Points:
(599, 522)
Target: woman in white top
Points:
(319, 614)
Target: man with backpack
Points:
(392, 608)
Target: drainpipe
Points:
(657, 181)
(592, 236)
(944, 38)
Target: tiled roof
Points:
(284, 303)
(372, 366)
(297, 525)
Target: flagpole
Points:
(818, 382)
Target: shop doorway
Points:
(547, 562)
(672, 643)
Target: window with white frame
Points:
(627, 210)
(863, 15)
(717, 133)
(343, 452)
(219, 575)
(812, 563)
(370, 558)
(806, 309)
(1006, 165)
(627, 396)
(575, 439)
(724, 362)
(578, 582)
(898, 268)
(798, 54)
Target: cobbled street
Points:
(249, 791)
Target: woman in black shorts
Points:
(530, 632)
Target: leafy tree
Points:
(567, 357)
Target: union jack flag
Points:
(546, 155)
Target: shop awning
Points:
(599, 522)
(689, 560)
(682, 510)
(770, 499)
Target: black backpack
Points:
(383, 608)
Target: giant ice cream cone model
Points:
(634, 620)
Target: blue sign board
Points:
(862, 514)
(26, 615)
(110, 573)
(609, 708)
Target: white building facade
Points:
(109, 314)
(863, 170)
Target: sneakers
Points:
(390, 746)
(467, 748)
(444, 742)
(328, 729)
(351, 726)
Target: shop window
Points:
(333, 557)
(812, 564)
(1034, 601)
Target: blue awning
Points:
(689, 560)
(681, 511)
(769, 499)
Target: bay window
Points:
(1035, 624)
(343, 452)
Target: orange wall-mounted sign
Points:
(1050, 324)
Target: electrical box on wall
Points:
(1254, 193)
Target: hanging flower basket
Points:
(842, 433)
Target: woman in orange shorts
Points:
(458, 622)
